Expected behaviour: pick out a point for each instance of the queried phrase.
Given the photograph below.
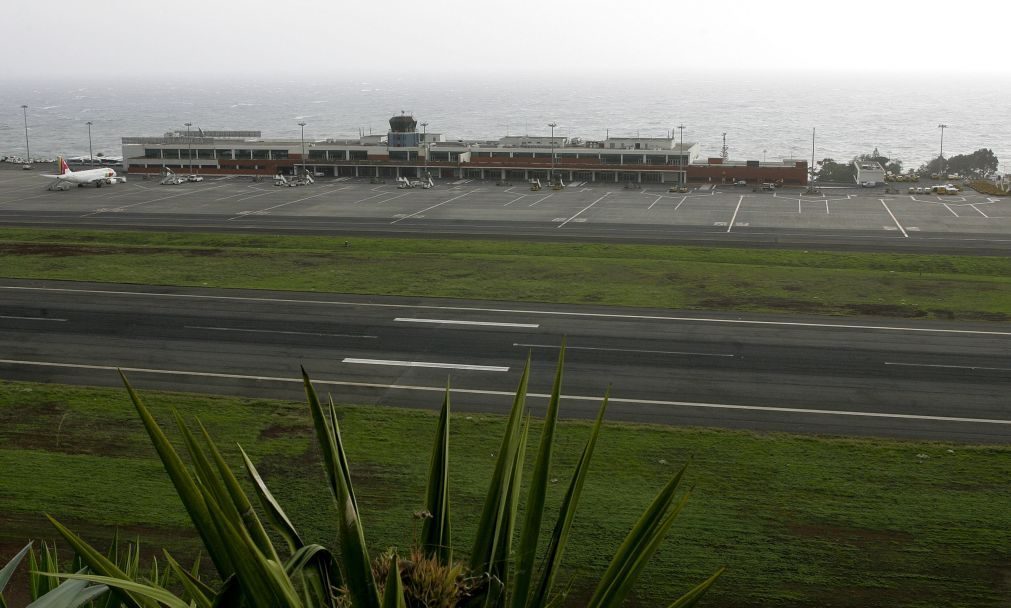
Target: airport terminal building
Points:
(405, 152)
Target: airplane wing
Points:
(50, 176)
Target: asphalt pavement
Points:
(856, 219)
(936, 380)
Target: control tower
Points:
(403, 132)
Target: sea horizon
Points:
(765, 115)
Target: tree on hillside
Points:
(831, 171)
(980, 163)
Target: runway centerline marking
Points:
(456, 322)
(733, 219)
(623, 350)
(16, 318)
(430, 208)
(517, 311)
(894, 219)
(394, 363)
(578, 213)
(942, 366)
(510, 394)
(287, 333)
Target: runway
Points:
(851, 219)
(761, 372)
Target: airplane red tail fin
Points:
(64, 167)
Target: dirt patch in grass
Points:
(278, 431)
(379, 482)
(730, 303)
(887, 310)
(858, 597)
(55, 250)
(857, 537)
(984, 316)
(55, 428)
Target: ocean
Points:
(765, 116)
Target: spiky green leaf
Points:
(69, 594)
(393, 595)
(642, 539)
(436, 536)
(100, 565)
(357, 568)
(274, 511)
(262, 580)
(566, 513)
(537, 494)
(489, 530)
(198, 592)
(8, 570)
(230, 595)
(153, 595)
(692, 597)
(186, 487)
(239, 500)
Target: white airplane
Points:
(98, 177)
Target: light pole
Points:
(424, 140)
(942, 127)
(302, 125)
(681, 156)
(91, 154)
(189, 146)
(551, 178)
(28, 150)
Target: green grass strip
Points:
(800, 521)
(656, 276)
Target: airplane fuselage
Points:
(88, 176)
(98, 177)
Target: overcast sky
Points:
(127, 38)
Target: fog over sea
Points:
(764, 115)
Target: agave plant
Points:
(497, 574)
(45, 593)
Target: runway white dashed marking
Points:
(505, 394)
(459, 322)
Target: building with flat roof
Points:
(869, 172)
(403, 152)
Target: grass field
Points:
(810, 282)
(800, 521)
